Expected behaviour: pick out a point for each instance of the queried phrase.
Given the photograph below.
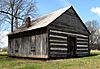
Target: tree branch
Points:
(11, 15)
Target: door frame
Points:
(72, 48)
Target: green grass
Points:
(91, 62)
(3, 53)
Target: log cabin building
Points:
(58, 34)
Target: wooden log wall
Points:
(29, 44)
(59, 44)
(68, 24)
(82, 45)
(10, 47)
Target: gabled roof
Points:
(47, 19)
(43, 21)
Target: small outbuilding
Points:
(58, 34)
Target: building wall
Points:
(68, 24)
(29, 44)
(59, 44)
(54, 42)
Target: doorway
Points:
(71, 46)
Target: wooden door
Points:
(71, 46)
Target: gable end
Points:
(70, 22)
(81, 21)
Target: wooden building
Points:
(58, 34)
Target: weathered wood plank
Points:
(57, 36)
(82, 40)
(81, 53)
(58, 46)
(66, 31)
(62, 31)
(48, 40)
(59, 42)
(44, 43)
(88, 45)
(9, 46)
(58, 55)
(12, 42)
(82, 43)
(38, 45)
(25, 46)
(82, 47)
(79, 37)
(41, 43)
(59, 51)
(82, 50)
(33, 45)
(59, 33)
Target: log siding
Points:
(59, 34)
(59, 46)
(29, 44)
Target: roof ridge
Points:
(66, 7)
(43, 21)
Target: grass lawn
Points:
(91, 62)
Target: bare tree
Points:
(93, 27)
(15, 11)
(3, 33)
